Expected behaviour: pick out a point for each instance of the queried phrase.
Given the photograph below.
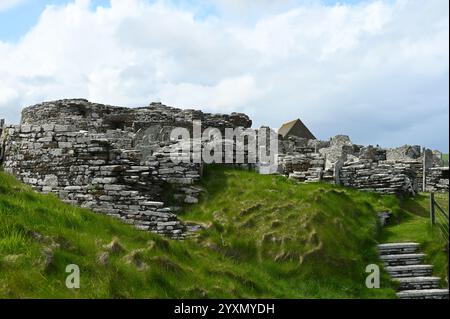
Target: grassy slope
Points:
(264, 236)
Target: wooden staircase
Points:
(404, 263)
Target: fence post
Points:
(432, 211)
(2, 124)
(424, 169)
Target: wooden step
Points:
(410, 271)
(423, 294)
(398, 248)
(416, 283)
(402, 259)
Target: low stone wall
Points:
(386, 177)
(416, 166)
(308, 167)
(437, 180)
(103, 172)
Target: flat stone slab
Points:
(397, 245)
(398, 248)
(410, 267)
(424, 294)
(418, 279)
(402, 259)
(401, 256)
(151, 203)
(415, 283)
(410, 271)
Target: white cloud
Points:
(377, 71)
(9, 4)
(7, 95)
(244, 90)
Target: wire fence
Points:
(439, 218)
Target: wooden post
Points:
(424, 169)
(2, 124)
(432, 211)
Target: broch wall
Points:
(102, 172)
(113, 160)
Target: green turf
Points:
(445, 159)
(413, 224)
(263, 237)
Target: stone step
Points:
(410, 271)
(398, 248)
(423, 294)
(416, 283)
(402, 259)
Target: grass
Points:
(412, 223)
(445, 159)
(262, 237)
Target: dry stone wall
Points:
(437, 179)
(386, 177)
(113, 160)
(100, 172)
(389, 171)
(95, 117)
(303, 167)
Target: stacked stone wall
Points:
(437, 180)
(386, 177)
(113, 160)
(102, 172)
(308, 167)
(96, 117)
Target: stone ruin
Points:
(110, 159)
(382, 170)
(116, 160)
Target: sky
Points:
(377, 71)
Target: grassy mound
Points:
(263, 237)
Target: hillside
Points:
(263, 237)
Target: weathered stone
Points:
(51, 180)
